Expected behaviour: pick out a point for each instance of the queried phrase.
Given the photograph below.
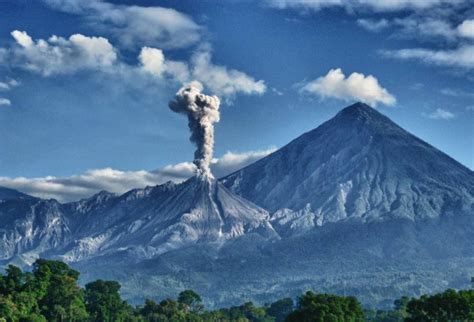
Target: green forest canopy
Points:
(51, 293)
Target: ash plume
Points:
(202, 111)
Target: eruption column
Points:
(202, 111)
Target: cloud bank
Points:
(84, 185)
(356, 87)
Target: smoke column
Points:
(202, 111)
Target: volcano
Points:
(359, 165)
(357, 206)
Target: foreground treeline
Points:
(51, 293)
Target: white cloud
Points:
(58, 55)
(22, 38)
(466, 28)
(223, 81)
(441, 114)
(8, 84)
(5, 101)
(134, 25)
(85, 185)
(425, 27)
(231, 161)
(152, 60)
(456, 92)
(219, 80)
(351, 5)
(373, 25)
(460, 57)
(420, 26)
(355, 87)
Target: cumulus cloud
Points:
(84, 185)
(152, 60)
(466, 28)
(441, 114)
(355, 87)
(135, 25)
(351, 5)
(223, 81)
(5, 101)
(461, 57)
(58, 55)
(219, 80)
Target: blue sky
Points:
(85, 111)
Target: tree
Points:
(18, 299)
(254, 313)
(167, 310)
(60, 297)
(281, 309)
(171, 310)
(191, 301)
(325, 307)
(13, 281)
(447, 306)
(103, 302)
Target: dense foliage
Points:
(51, 293)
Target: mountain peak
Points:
(360, 111)
(360, 164)
(363, 116)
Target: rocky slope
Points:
(143, 222)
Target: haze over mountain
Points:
(357, 206)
